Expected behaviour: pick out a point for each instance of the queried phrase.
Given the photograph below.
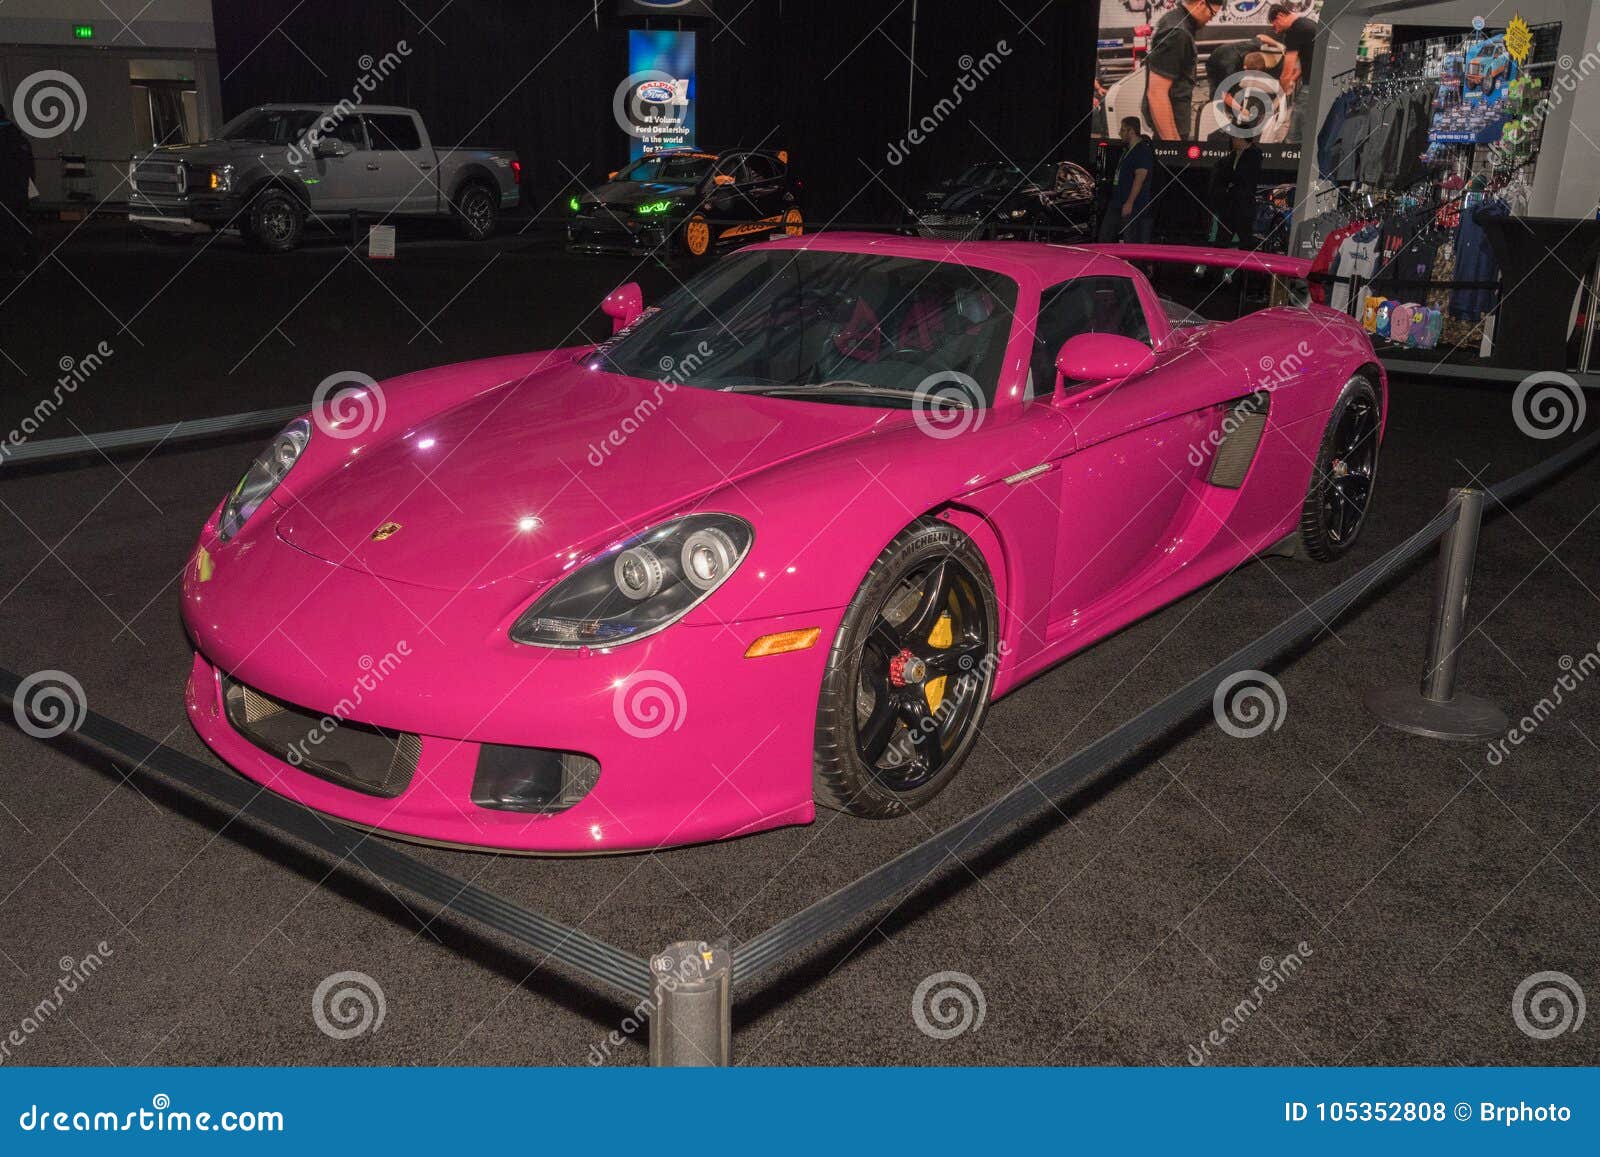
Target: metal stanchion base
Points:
(1464, 718)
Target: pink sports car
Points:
(776, 543)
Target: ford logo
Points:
(655, 92)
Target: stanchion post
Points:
(692, 1025)
(1435, 709)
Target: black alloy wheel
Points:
(1344, 476)
(477, 209)
(909, 677)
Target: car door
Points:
(336, 180)
(1130, 489)
(730, 211)
(401, 174)
(762, 185)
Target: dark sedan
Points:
(688, 202)
(998, 200)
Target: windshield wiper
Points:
(825, 390)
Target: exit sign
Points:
(83, 32)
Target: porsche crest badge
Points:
(387, 530)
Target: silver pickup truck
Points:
(278, 165)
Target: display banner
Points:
(655, 103)
(972, 1111)
(1197, 75)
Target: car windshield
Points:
(990, 173)
(667, 169)
(279, 126)
(853, 328)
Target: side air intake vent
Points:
(1242, 428)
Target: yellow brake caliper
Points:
(941, 637)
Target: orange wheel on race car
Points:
(794, 222)
(697, 236)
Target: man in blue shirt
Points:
(1128, 216)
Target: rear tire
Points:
(275, 222)
(477, 211)
(909, 676)
(1343, 478)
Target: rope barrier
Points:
(1033, 798)
(576, 949)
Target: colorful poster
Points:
(1196, 75)
(655, 104)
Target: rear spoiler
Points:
(1276, 263)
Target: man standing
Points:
(1299, 36)
(1236, 210)
(1128, 216)
(1171, 66)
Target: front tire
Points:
(276, 221)
(909, 676)
(697, 238)
(477, 209)
(1343, 478)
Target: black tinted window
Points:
(1084, 305)
(394, 132)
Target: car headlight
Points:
(262, 478)
(220, 179)
(640, 586)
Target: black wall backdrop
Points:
(825, 79)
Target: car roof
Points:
(1039, 262)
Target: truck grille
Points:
(353, 755)
(159, 177)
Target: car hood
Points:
(515, 482)
(206, 152)
(627, 194)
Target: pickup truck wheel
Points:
(477, 210)
(276, 221)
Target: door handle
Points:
(372, 166)
(424, 168)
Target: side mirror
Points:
(1102, 357)
(329, 147)
(723, 179)
(623, 305)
